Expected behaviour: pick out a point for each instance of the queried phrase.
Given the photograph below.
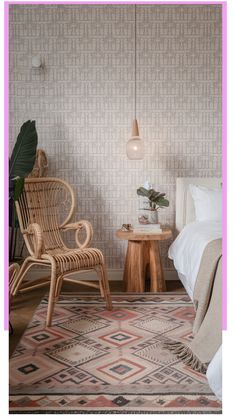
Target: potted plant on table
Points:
(154, 201)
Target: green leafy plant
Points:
(156, 199)
(20, 165)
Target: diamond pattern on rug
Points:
(94, 360)
(118, 314)
(41, 336)
(59, 315)
(121, 370)
(119, 338)
(156, 325)
(83, 324)
(156, 354)
(75, 354)
(30, 368)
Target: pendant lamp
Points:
(135, 145)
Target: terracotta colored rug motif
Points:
(95, 361)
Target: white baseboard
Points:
(114, 274)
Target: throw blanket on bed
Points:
(207, 329)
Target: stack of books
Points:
(147, 228)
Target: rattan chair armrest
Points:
(78, 227)
(35, 232)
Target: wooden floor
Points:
(24, 306)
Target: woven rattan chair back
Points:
(50, 203)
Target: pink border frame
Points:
(117, 2)
(224, 164)
(6, 167)
(224, 130)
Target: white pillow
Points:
(207, 203)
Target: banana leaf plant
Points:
(156, 199)
(20, 165)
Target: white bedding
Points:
(187, 250)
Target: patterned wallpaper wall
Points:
(83, 102)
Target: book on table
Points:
(147, 228)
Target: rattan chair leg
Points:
(20, 277)
(51, 298)
(58, 287)
(101, 288)
(100, 281)
(106, 287)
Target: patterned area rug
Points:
(96, 361)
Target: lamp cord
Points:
(135, 59)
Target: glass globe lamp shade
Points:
(135, 148)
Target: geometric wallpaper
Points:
(83, 102)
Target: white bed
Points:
(187, 250)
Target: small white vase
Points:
(148, 216)
(152, 216)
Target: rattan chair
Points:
(44, 210)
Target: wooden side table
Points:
(143, 252)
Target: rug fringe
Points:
(186, 355)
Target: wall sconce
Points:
(36, 62)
